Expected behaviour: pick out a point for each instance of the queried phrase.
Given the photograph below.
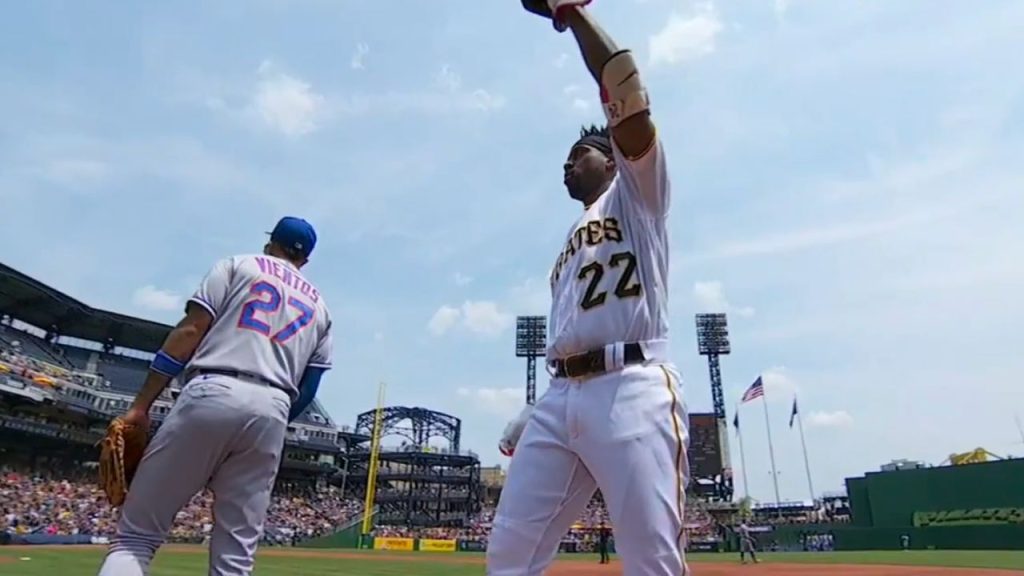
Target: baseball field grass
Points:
(190, 561)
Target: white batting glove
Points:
(513, 430)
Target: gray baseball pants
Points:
(223, 433)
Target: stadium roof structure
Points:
(29, 300)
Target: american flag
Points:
(756, 390)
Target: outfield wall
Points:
(849, 537)
(891, 499)
(351, 539)
(972, 506)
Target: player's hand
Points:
(514, 429)
(553, 10)
(138, 417)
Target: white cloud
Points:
(685, 38)
(778, 383)
(781, 7)
(76, 172)
(450, 82)
(448, 94)
(287, 104)
(153, 298)
(462, 279)
(581, 105)
(485, 318)
(576, 102)
(449, 79)
(505, 402)
(483, 100)
(710, 297)
(481, 317)
(443, 320)
(819, 236)
(561, 60)
(358, 58)
(837, 419)
(532, 297)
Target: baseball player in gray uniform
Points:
(254, 342)
(747, 545)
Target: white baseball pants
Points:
(624, 432)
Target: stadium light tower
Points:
(531, 342)
(713, 341)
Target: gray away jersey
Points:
(268, 321)
(610, 281)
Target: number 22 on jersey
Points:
(267, 302)
(626, 287)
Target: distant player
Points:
(603, 532)
(255, 340)
(747, 544)
(613, 416)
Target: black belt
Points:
(592, 362)
(238, 375)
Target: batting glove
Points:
(514, 430)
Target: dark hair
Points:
(289, 252)
(594, 130)
(596, 137)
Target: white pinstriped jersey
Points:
(269, 321)
(610, 282)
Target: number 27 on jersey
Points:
(258, 312)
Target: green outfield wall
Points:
(972, 506)
(848, 537)
(891, 499)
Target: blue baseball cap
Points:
(294, 234)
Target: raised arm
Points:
(638, 152)
(623, 95)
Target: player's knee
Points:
(230, 565)
(135, 544)
(512, 550)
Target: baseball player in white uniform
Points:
(254, 342)
(613, 416)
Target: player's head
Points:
(590, 167)
(292, 239)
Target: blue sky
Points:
(847, 180)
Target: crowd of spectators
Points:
(15, 364)
(68, 502)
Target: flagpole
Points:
(803, 443)
(771, 454)
(743, 458)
